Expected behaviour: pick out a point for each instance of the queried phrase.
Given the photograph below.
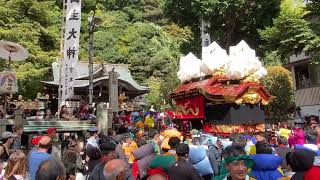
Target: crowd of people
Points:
(147, 146)
(14, 111)
(84, 112)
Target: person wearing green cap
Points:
(237, 163)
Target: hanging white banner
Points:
(205, 29)
(206, 41)
(71, 47)
(8, 82)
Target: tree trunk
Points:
(229, 32)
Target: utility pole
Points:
(93, 22)
(91, 28)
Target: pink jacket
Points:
(297, 137)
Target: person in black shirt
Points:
(182, 168)
(108, 153)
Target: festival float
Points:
(222, 92)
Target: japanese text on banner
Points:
(71, 47)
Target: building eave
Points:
(296, 63)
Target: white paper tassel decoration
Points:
(189, 68)
(213, 58)
(243, 62)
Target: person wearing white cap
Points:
(7, 139)
(92, 149)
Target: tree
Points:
(231, 21)
(271, 58)
(130, 34)
(278, 82)
(182, 35)
(35, 25)
(150, 50)
(168, 86)
(290, 32)
(144, 46)
(155, 96)
(314, 8)
(146, 11)
(158, 95)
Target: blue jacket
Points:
(266, 166)
(310, 147)
(198, 157)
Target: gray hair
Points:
(114, 173)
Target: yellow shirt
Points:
(128, 150)
(285, 132)
(252, 150)
(149, 121)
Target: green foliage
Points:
(279, 84)
(154, 97)
(184, 35)
(146, 10)
(231, 20)
(314, 8)
(29, 88)
(130, 34)
(150, 50)
(292, 8)
(158, 95)
(151, 35)
(35, 25)
(168, 86)
(144, 46)
(291, 32)
(272, 59)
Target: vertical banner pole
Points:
(61, 57)
(71, 48)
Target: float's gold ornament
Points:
(249, 98)
(122, 97)
(252, 78)
(264, 102)
(219, 72)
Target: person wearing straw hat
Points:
(7, 139)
